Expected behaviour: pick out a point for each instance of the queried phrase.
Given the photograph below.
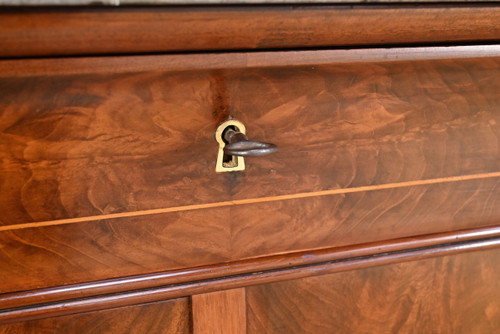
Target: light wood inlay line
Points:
(252, 201)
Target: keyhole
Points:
(226, 162)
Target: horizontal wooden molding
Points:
(135, 30)
(199, 2)
(236, 60)
(174, 284)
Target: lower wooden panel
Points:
(170, 317)
(452, 294)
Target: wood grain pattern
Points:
(83, 252)
(221, 312)
(107, 178)
(100, 145)
(454, 294)
(169, 317)
(340, 191)
(81, 31)
(85, 145)
(238, 281)
(92, 144)
(260, 264)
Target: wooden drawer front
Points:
(453, 294)
(170, 317)
(108, 170)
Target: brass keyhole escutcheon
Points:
(234, 145)
(226, 162)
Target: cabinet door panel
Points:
(452, 294)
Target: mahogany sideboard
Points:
(379, 213)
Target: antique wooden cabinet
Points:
(379, 213)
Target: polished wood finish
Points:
(235, 60)
(169, 317)
(147, 132)
(221, 312)
(238, 281)
(50, 32)
(401, 148)
(261, 264)
(454, 294)
(379, 213)
(106, 249)
(201, 2)
(266, 199)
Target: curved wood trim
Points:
(174, 284)
(133, 30)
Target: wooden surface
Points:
(169, 317)
(215, 62)
(201, 2)
(252, 277)
(455, 294)
(90, 31)
(251, 266)
(221, 312)
(368, 152)
(114, 144)
(112, 206)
